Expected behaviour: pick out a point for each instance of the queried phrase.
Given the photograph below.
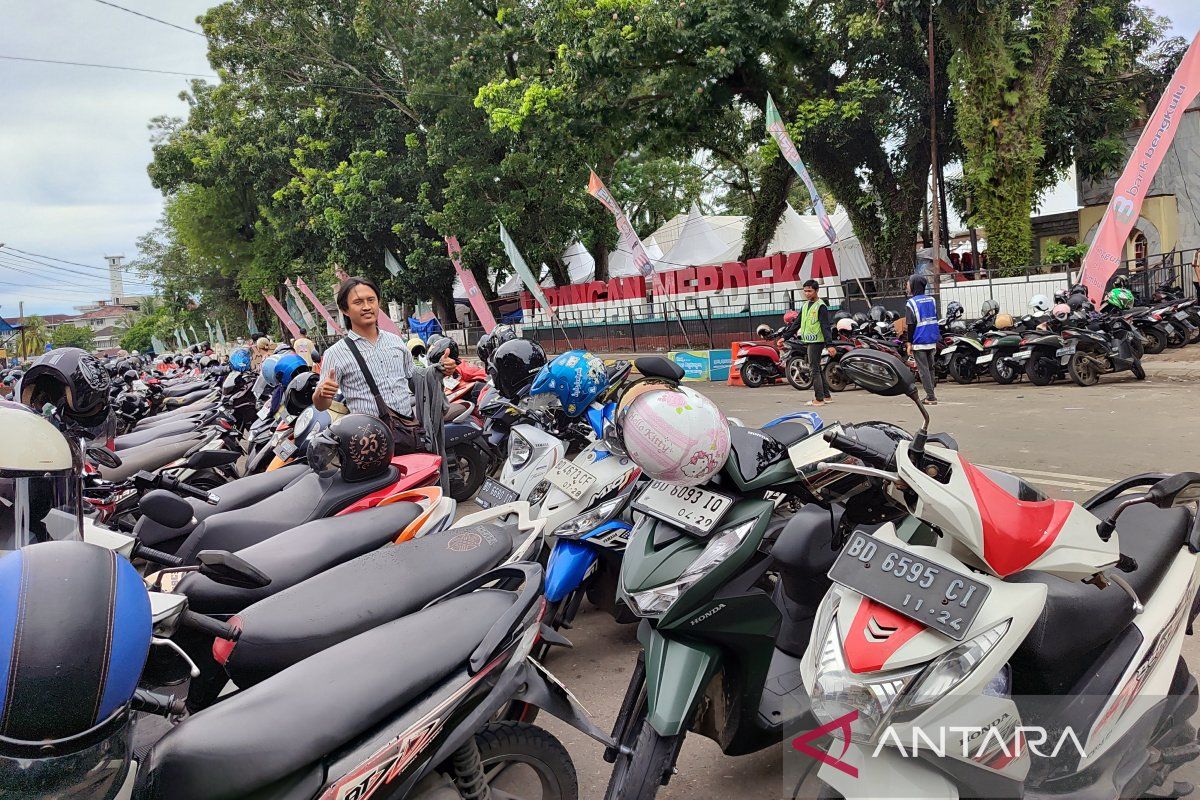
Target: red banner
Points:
(471, 285)
(381, 319)
(1108, 246)
(282, 313)
(318, 305)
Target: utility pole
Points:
(935, 217)
(21, 309)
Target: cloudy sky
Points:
(74, 143)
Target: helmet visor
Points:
(39, 507)
(323, 453)
(93, 771)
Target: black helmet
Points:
(358, 445)
(841, 315)
(1076, 301)
(71, 378)
(954, 310)
(501, 335)
(878, 313)
(130, 375)
(484, 348)
(439, 346)
(1079, 288)
(861, 318)
(516, 364)
(990, 308)
(299, 392)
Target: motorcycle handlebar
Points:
(164, 705)
(213, 627)
(179, 487)
(864, 453)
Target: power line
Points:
(24, 267)
(152, 19)
(107, 66)
(104, 271)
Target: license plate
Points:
(1182, 315)
(948, 350)
(285, 450)
(1065, 351)
(986, 358)
(494, 493)
(571, 478)
(1022, 355)
(936, 596)
(695, 510)
(264, 412)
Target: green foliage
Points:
(1058, 253)
(72, 336)
(33, 337)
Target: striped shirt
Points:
(391, 366)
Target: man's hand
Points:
(910, 350)
(832, 352)
(328, 387)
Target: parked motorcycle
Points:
(762, 362)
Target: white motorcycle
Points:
(1000, 643)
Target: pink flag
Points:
(282, 313)
(318, 305)
(1107, 250)
(382, 320)
(471, 285)
(641, 260)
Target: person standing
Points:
(921, 319)
(372, 368)
(304, 346)
(816, 334)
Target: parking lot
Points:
(1070, 441)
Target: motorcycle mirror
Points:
(104, 457)
(226, 568)
(879, 373)
(208, 459)
(168, 510)
(1179, 489)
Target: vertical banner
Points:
(381, 319)
(319, 306)
(523, 271)
(221, 333)
(208, 327)
(390, 263)
(251, 325)
(158, 344)
(471, 285)
(598, 190)
(195, 336)
(282, 313)
(310, 322)
(1108, 246)
(792, 155)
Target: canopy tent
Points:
(696, 244)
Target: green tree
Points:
(33, 338)
(72, 336)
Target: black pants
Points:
(815, 349)
(925, 368)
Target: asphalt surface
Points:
(1070, 441)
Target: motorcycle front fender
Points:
(676, 674)
(569, 562)
(760, 351)
(885, 773)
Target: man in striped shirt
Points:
(385, 354)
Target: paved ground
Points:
(1068, 440)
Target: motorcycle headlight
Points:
(519, 450)
(940, 677)
(656, 601)
(577, 526)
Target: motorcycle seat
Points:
(310, 497)
(193, 412)
(272, 740)
(1078, 619)
(359, 595)
(186, 399)
(235, 494)
(300, 554)
(140, 437)
(151, 456)
(752, 450)
(184, 388)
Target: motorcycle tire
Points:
(1040, 370)
(1194, 336)
(835, 379)
(1156, 341)
(1002, 373)
(1083, 370)
(510, 743)
(1176, 337)
(468, 468)
(1137, 349)
(798, 373)
(962, 367)
(1139, 372)
(752, 375)
(639, 775)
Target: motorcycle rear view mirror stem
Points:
(887, 376)
(1180, 489)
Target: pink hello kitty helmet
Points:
(674, 434)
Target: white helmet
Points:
(40, 488)
(1039, 302)
(845, 324)
(675, 434)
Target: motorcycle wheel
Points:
(1194, 336)
(752, 375)
(835, 379)
(517, 758)
(639, 775)
(962, 367)
(1002, 372)
(1137, 348)
(1156, 341)
(1139, 372)
(468, 466)
(798, 373)
(1040, 370)
(1083, 370)
(1175, 336)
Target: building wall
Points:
(1159, 220)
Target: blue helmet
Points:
(575, 378)
(239, 360)
(289, 366)
(267, 370)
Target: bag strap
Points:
(384, 411)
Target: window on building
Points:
(1140, 248)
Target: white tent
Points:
(697, 243)
(620, 260)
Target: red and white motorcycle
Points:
(1000, 643)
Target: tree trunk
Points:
(601, 256)
(558, 271)
(443, 308)
(777, 178)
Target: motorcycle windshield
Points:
(39, 507)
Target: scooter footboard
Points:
(676, 675)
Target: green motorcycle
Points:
(727, 578)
